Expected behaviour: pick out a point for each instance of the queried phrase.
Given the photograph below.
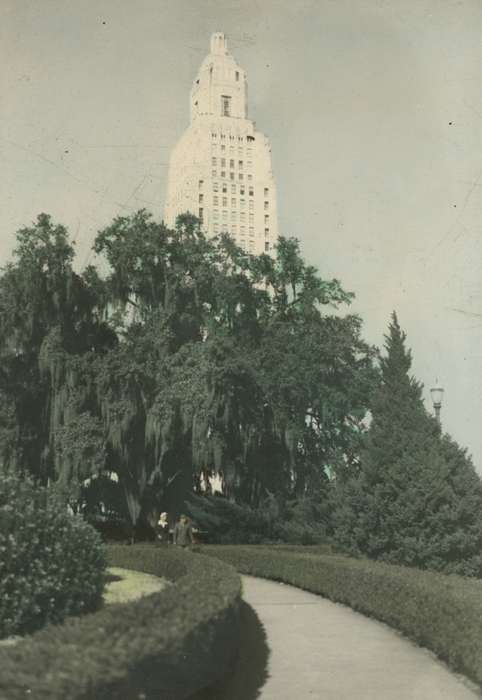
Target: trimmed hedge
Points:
(164, 646)
(440, 612)
(52, 564)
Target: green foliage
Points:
(164, 646)
(49, 317)
(189, 359)
(417, 499)
(443, 613)
(51, 564)
(273, 521)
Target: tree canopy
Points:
(188, 359)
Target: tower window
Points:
(251, 204)
(251, 191)
(233, 189)
(240, 164)
(201, 183)
(266, 218)
(223, 173)
(237, 75)
(215, 200)
(231, 176)
(266, 246)
(215, 186)
(266, 205)
(266, 192)
(215, 228)
(201, 197)
(225, 106)
(225, 188)
(213, 161)
(201, 212)
(241, 189)
(223, 162)
(225, 201)
(231, 163)
(213, 173)
(266, 232)
(233, 202)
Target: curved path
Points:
(299, 646)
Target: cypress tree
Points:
(417, 499)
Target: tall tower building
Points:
(220, 170)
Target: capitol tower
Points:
(220, 170)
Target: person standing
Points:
(183, 532)
(162, 529)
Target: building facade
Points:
(220, 170)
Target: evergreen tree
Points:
(417, 499)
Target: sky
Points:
(374, 113)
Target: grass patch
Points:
(125, 585)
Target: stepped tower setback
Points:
(220, 170)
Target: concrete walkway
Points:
(299, 646)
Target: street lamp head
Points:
(437, 394)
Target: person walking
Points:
(183, 532)
(162, 529)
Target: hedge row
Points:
(440, 612)
(163, 646)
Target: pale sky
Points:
(374, 111)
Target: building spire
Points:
(219, 45)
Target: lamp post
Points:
(437, 394)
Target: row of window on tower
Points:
(230, 137)
(223, 148)
(223, 201)
(232, 163)
(234, 189)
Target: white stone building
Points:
(220, 170)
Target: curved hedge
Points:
(52, 564)
(164, 646)
(440, 612)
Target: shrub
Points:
(164, 646)
(51, 563)
(443, 613)
(296, 522)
